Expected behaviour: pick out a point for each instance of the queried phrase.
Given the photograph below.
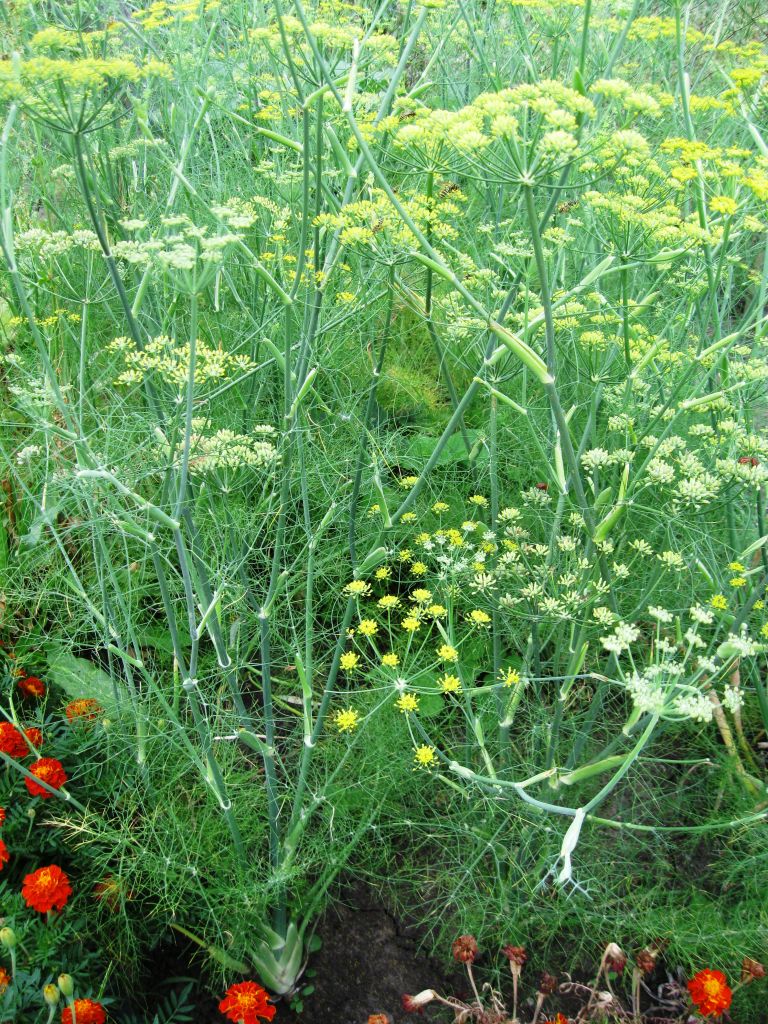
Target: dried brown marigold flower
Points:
(465, 949)
(416, 1004)
(646, 960)
(751, 970)
(547, 984)
(515, 954)
(615, 958)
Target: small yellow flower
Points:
(407, 703)
(438, 610)
(358, 588)
(424, 756)
(718, 601)
(405, 555)
(764, 630)
(349, 661)
(449, 684)
(478, 617)
(383, 572)
(738, 581)
(478, 499)
(423, 538)
(759, 605)
(388, 602)
(469, 525)
(421, 595)
(347, 720)
(407, 482)
(390, 660)
(736, 567)
(447, 653)
(418, 569)
(509, 676)
(723, 204)
(408, 517)
(410, 624)
(440, 506)
(368, 627)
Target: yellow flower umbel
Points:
(478, 617)
(388, 602)
(509, 676)
(446, 652)
(347, 720)
(424, 756)
(719, 602)
(410, 624)
(407, 703)
(358, 588)
(349, 661)
(390, 660)
(368, 627)
(449, 683)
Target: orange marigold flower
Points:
(49, 770)
(4, 855)
(31, 686)
(245, 1002)
(46, 889)
(5, 980)
(86, 1012)
(559, 1019)
(83, 707)
(710, 993)
(2, 815)
(12, 742)
(34, 736)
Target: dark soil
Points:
(366, 962)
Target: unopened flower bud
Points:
(51, 995)
(465, 949)
(66, 984)
(615, 958)
(8, 937)
(415, 1004)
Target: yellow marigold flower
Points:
(440, 506)
(424, 756)
(478, 617)
(407, 703)
(349, 661)
(406, 482)
(383, 573)
(408, 517)
(438, 610)
(388, 602)
(447, 653)
(738, 581)
(478, 499)
(421, 595)
(449, 684)
(368, 627)
(358, 588)
(410, 624)
(723, 204)
(418, 569)
(509, 676)
(718, 601)
(736, 567)
(390, 660)
(347, 720)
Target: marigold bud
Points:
(615, 958)
(51, 995)
(415, 1004)
(66, 984)
(8, 937)
(465, 949)
(751, 970)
